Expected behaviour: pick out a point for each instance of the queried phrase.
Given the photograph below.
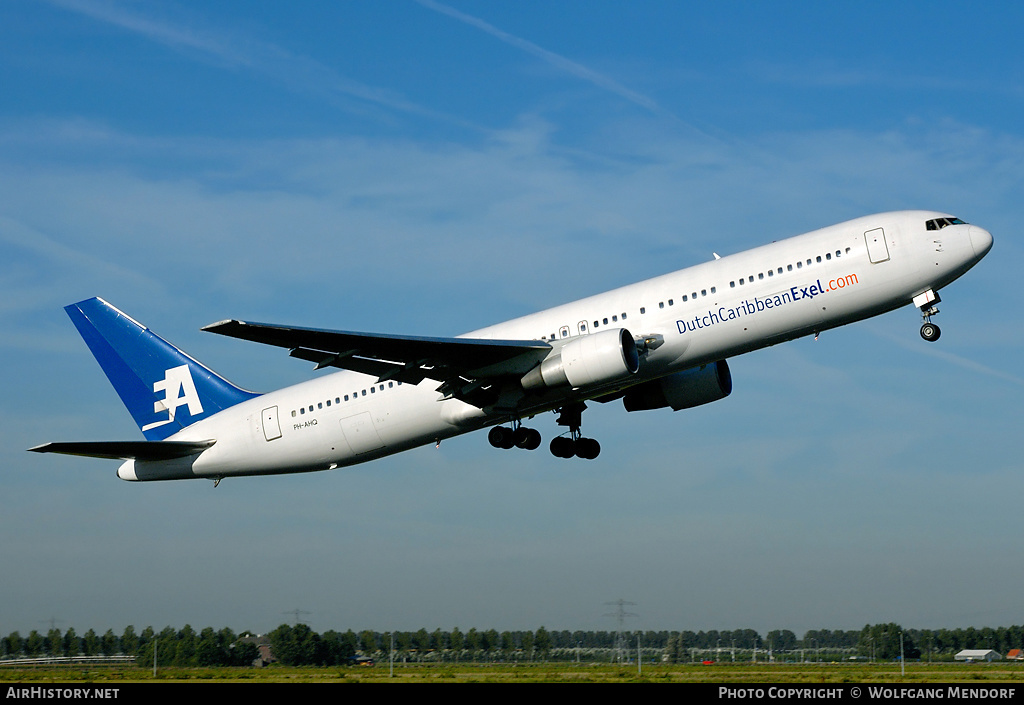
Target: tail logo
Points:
(179, 390)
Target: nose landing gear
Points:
(926, 302)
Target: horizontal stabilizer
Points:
(127, 450)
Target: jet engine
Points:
(682, 390)
(587, 360)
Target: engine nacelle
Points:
(682, 390)
(587, 360)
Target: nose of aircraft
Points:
(981, 240)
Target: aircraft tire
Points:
(562, 447)
(500, 437)
(930, 332)
(526, 438)
(587, 448)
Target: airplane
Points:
(660, 343)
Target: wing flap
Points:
(409, 373)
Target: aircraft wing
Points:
(463, 366)
(127, 450)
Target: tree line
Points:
(300, 645)
(173, 647)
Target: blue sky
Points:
(428, 168)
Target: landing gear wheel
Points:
(526, 438)
(566, 447)
(519, 437)
(930, 332)
(500, 437)
(587, 448)
(562, 447)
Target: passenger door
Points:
(878, 251)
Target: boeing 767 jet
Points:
(660, 343)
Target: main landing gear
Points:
(574, 444)
(926, 302)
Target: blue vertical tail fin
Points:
(164, 389)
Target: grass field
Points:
(723, 673)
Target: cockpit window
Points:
(940, 223)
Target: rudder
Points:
(163, 388)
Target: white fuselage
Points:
(708, 312)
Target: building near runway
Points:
(977, 655)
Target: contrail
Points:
(298, 73)
(161, 32)
(567, 65)
(950, 357)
